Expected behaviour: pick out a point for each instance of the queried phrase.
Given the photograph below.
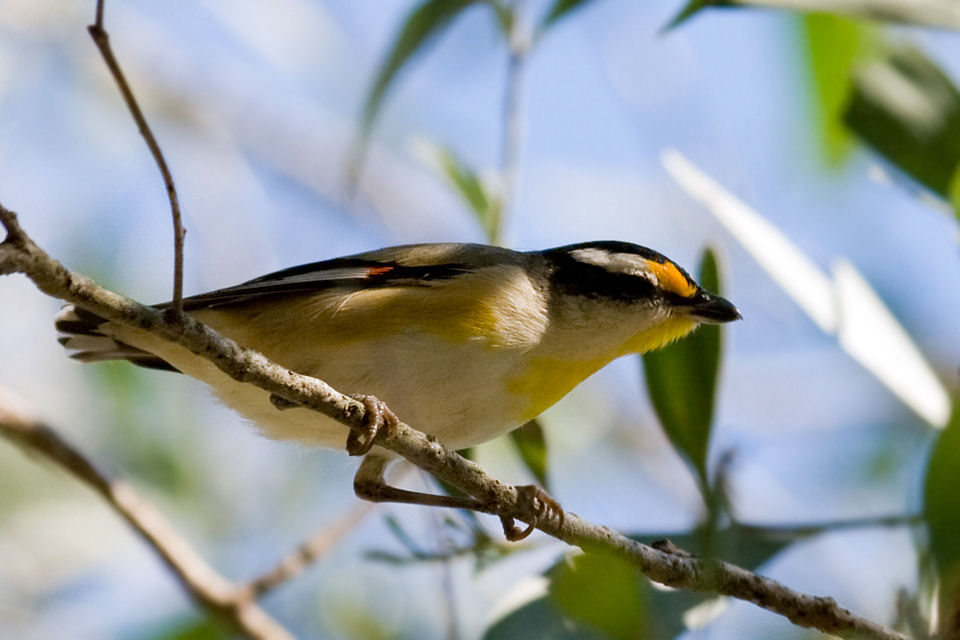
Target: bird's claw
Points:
(535, 500)
(378, 416)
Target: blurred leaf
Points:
(955, 192)
(538, 619)
(423, 24)
(180, 629)
(542, 619)
(912, 609)
(944, 14)
(138, 437)
(505, 17)
(681, 380)
(832, 45)
(870, 333)
(664, 611)
(907, 109)
(558, 10)
(689, 9)
(602, 592)
(942, 513)
(532, 448)
(844, 305)
(469, 187)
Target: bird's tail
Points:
(80, 335)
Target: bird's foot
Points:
(536, 500)
(378, 416)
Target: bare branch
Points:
(796, 531)
(208, 588)
(102, 40)
(300, 559)
(679, 570)
(510, 141)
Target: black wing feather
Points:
(348, 273)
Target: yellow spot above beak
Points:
(671, 279)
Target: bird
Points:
(465, 342)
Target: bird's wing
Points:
(354, 273)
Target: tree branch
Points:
(208, 588)
(102, 40)
(20, 254)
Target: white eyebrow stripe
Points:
(626, 263)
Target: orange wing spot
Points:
(377, 271)
(672, 279)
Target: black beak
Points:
(711, 309)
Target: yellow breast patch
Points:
(545, 380)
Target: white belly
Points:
(455, 393)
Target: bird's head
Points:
(631, 291)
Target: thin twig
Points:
(510, 132)
(679, 570)
(422, 557)
(208, 588)
(307, 553)
(445, 574)
(794, 531)
(102, 40)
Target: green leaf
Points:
(832, 45)
(179, 628)
(688, 11)
(543, 619)
(602, 592)
(942, 514)
(558, 10)
(908, 110)
(539, 619)
(147, 449)
(681, 380)
(505, 17)
(468, 186)
(662, 610)
(423, 24)
(709, 272)
(532, 448)
(955, 192)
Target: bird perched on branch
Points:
(462, 341)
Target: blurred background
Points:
(259, 108)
